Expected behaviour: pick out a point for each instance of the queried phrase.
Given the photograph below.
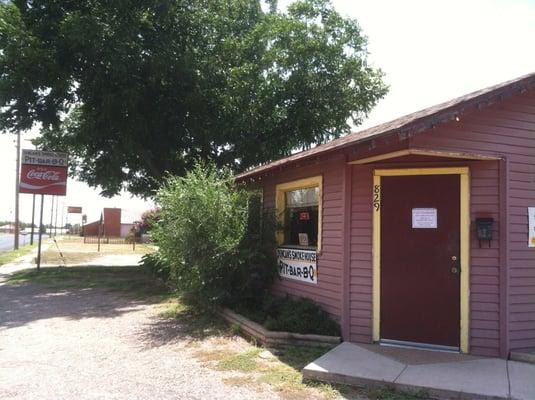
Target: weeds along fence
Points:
(111, 240)
(104, 240)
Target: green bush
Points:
(205, 234)
(287, 314)
(157, 266)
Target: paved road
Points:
(6, 241)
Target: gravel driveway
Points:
(94, 344)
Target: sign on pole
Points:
(74, 210)
(43, 172)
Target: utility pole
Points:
(51, 214)
(56, 220)
(40, 234)
(61, 232)
(33, 205)
(33, 218)
(16, 242)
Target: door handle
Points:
(455, 268)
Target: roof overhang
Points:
(424, 152)
(411, 124)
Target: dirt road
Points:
(94, 344)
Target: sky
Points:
(430, 51)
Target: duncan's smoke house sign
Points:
(43, 172)
(297, 264)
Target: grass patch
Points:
(197, 322)
(243, 362)
(206, 356)
(9, 256)
(75, 251)
(130, 280)
(283, 374)
(298, 357)
(391, 394)
(52, 256)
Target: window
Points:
(299, 213)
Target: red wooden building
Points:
(415, 231)
(109, 225)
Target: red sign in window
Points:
(304, 216)
(40, 179)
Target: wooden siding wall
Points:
(506, 129)
(328, 292)
(360, 288)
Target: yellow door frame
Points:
(463, 172)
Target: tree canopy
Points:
(135, 89)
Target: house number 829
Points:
(377, 197)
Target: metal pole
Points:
(33, 209)
(62, 218)
(51, 215)
(16, 243)
(33, 218)
(98, 249)
(40, 234)
(56, 220)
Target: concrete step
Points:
(464, 378)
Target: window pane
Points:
(302, 197)
(301, 226)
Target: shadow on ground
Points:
(74, 293)
(179, 322)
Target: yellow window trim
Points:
(463, 172)
(282, 188)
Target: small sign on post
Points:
(74, 210)
(43, 172)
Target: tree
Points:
(137, 88)
(204, 236)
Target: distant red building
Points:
(110, 225)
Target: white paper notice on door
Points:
(531, 227)
(425, 218)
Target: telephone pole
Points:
(33, 218)
(51, 214)
(56, 220)
(16, 242)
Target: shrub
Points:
(205, 235)
(287, 314)
(301, 316)
(157, 266)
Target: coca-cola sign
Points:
(43, 175)
(38, 179)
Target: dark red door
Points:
(420, 275)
